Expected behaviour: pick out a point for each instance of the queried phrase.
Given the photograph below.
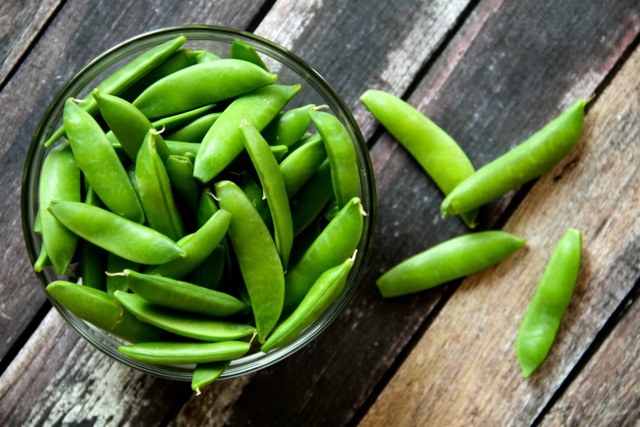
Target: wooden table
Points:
(489, 72)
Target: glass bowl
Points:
(291, 70)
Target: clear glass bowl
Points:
(291, 70)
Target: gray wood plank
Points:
(20, 23)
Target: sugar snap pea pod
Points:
(336, 243)
(308, 203)
(206, 373)
(115, 264)
(185, 188)
(198, 246)
(278, 151)
(223, 142)
(187, 325)
(273, 187)
(59, 180)
(246, 52)
(342, 156)
(100, 309)
(549, 304)
(452, 259)
(128, 125)
(209, 272)
(256, 196)
(301, 164)
(93, 259)
(194, 131)
(184, 296)
(201, 84)
(179, 148)
(182, 58)
(206, 207)
(42, 261)
(100, 164)
(164, 353)
(177, 120)
(116, 234)
(321, 295)
(205, 56)
(257, 257)
(122, 79)
(438, 154)
(155, 191)
(525, 162)
(288, 127)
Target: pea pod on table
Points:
(549, 304)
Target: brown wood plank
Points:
(20, 23)
(79, 32)
(606, 392)
(463, 370)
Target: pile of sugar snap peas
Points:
(198, 211)
(466, 190)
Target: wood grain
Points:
(463, 370)
(20, 24)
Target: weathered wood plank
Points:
(463, 370)
(20, 23)
(606, 392)
(79, 32)
(328, 381)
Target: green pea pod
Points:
(301, 164)
(93, 260)
(190, 326)
(525, 162)
(116, 264)
(201, 84)
(42, 261)
(549, 304)
(223, 142)
(194, 131)
(155, 191)
(116, 234)
(177, 120)
(59, 180)
(257, 257)
(206, 373)
(273, 186)
(256, 196)
(126, 76)
(164, 353)
(209, 272)
(185, 188)
(438, 154)
(336, 243)
(453, 259)
(342, 156)
(100, 164)
(183, 296)
(246, 52)
(101, 310)
(321, 295)
(288, 127)
(309, 202)
(179, 148)
(206, 207)
(203, 56)
(278, 151)
(197, 246)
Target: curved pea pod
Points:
(321, 295)
(126, 76)
(195, 130)
(525, 162)
(342, 156)
(101, 310)
(336, 243)
(59, 180)
(155, 191)
(246, 52)
(549, 304)
(179, 148)
(309, 202)
(256, 196)
(184, 186)
(183, 296)
(93, 260)
(288, 127)
(453, 259)
(175, 121)
(183, 324)
(100, 164)
(42, 261)
(301, 164)
(273, 186)
(223, 142)
(201, 84)
(436, 152)
(169, 353)
(116, 234)
(206, 373)
(257, 257)
(197, 246)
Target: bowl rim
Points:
(256, 361)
